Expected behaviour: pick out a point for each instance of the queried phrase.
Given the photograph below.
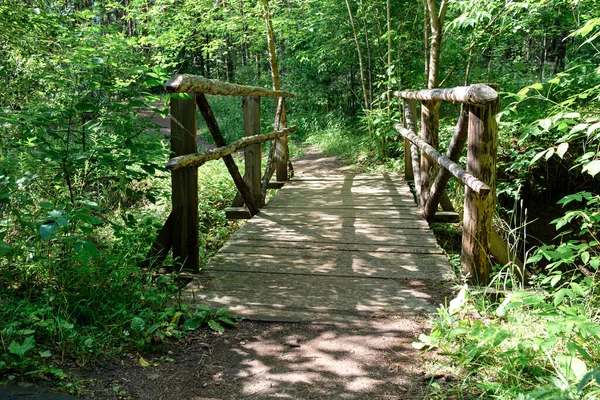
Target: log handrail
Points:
(197, 160)
(475, 95)
(455, 169)
(186, 83)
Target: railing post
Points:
(184, 185)
(409, 174)
(252, 154)
(282, 152)
(430, 118)
(479, 209)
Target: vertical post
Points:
(430, 119)
(409, 174)
(184, 184)
(479, 210)
(282, 151)
(252, 154)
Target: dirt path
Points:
(260, 360)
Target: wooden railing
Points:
(477, 128)
(180, 231)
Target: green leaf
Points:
(5, 248)
(85, 107)
(192, 324)
(215, 326)
(562, 149)
(572, 368)
(593, 128)
(585, 257)
(577, 289)
(45, 354)
(20, 349)
(592, 168)
(545, 123)
(48, 230)
(227, 321)
(137, 324)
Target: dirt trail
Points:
(260, 360)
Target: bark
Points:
(281, 145)
(469, 180)
(436, 23)
(479, 94)
(360, 57)
(194, 83)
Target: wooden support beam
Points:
(282, 152)
(193, 83)
(410, 110)
(252, 153)
(430, 121)
(215, 131)
(270, 168)
(443, 176)
(479, 210)
(469, 180)
(184, 186)
(197, 160)
(478, 95)
(409, 174)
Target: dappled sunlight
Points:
(322, 360)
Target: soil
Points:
(268, 360)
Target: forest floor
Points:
(267, 360)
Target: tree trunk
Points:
(281, 144)
(360, 58)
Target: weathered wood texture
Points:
(479, 94)
(193, 83)
(479, 210)
(468, 179)
(443, 176)
(197, 160)
(184, 185)
(430, 121)
(329, 248)
(215, 132)
(409, 110)
(252, 153)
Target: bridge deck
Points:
(329, 248)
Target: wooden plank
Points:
(449, 217)
(340, 235)
(333, 221)
(184, 185)
(307, 212)
(272, 297)
(240, 244)
(237, 213)
(338, 263)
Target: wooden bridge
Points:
(332, 248)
